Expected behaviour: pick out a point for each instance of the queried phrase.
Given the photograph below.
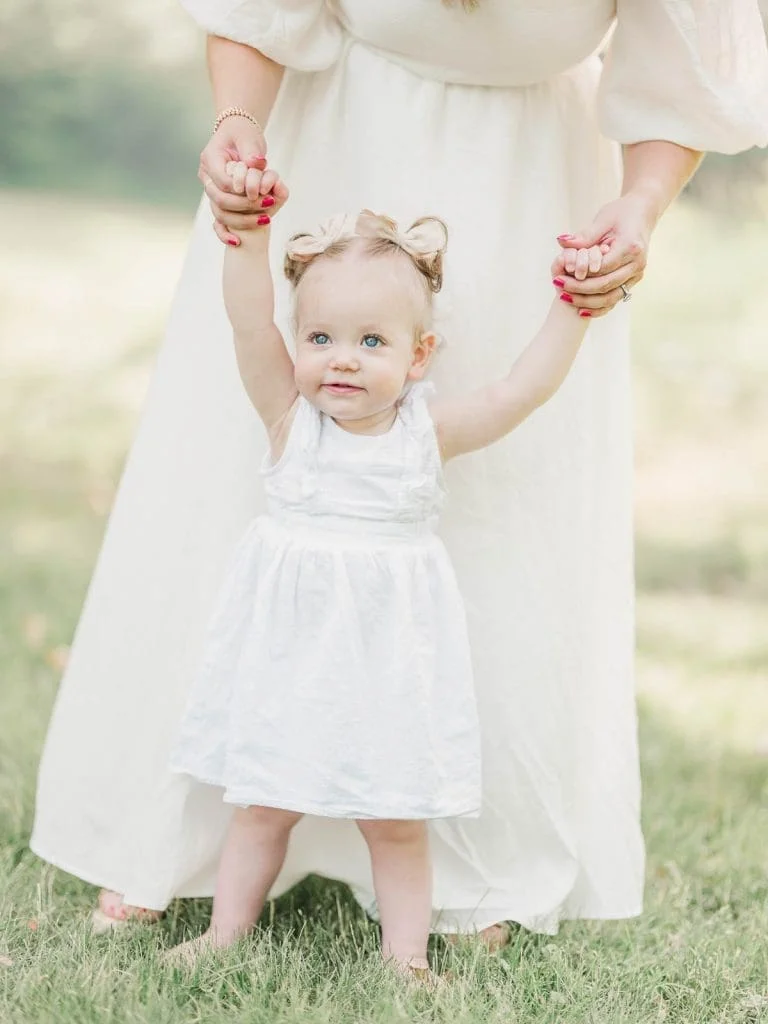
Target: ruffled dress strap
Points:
(299, 457)
(419, 425)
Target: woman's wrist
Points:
(236, 112)
(654, 174)
(243, 77)
(649, 200)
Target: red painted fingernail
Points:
(559, 282)
(564, 238)
(584, 312)
(262, 221)
(565, 297)
(231, 241)
(267, 201)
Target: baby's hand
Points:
(249, 184)
(580, 263)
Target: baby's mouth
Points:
(342, 389)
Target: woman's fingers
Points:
(247, 218)
(601, 284)
(225, 204)
(236, 140)
(600, 302)
(224, 235)
(228, 201)
(256, 196)
(606, 301)
(213, 164)
(238, 221)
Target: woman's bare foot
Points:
(494, 937)
(113, 913)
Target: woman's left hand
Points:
(622, 229)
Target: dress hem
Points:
(298, 806)
(206, 892)
(95, 878)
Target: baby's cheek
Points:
(394, 376)
(302, 372)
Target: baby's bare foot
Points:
(186, 954)
(417, 972)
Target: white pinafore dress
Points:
(337, 677)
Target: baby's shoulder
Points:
(416, 403)
(300, 419)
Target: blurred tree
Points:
(89, 101)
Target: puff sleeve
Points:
(694, 72)
(300, 34)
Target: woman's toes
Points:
(497, 936)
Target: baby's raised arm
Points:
(489, 413)
(265, 366)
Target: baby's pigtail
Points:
(426, 243)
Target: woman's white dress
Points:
(495, 120)
(336, 677)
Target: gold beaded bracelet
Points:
(235, 112)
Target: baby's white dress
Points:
(337, 677)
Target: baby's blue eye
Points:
(372, 341)
(320, 339)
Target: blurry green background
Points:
(104, 109)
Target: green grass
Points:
(83, 298)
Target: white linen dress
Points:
(336, 676)
(498, 121)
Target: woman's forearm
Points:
(242, 77)
(656, 171)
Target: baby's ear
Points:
(423, 351)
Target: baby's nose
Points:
(345, 360)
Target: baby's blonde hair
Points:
(424, 243)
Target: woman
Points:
(387, 106)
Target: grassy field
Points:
(83, 298)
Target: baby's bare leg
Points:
(402, 879)
(253, 854)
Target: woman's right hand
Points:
(237, 139)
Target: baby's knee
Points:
(272, 819)
(392, 831)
